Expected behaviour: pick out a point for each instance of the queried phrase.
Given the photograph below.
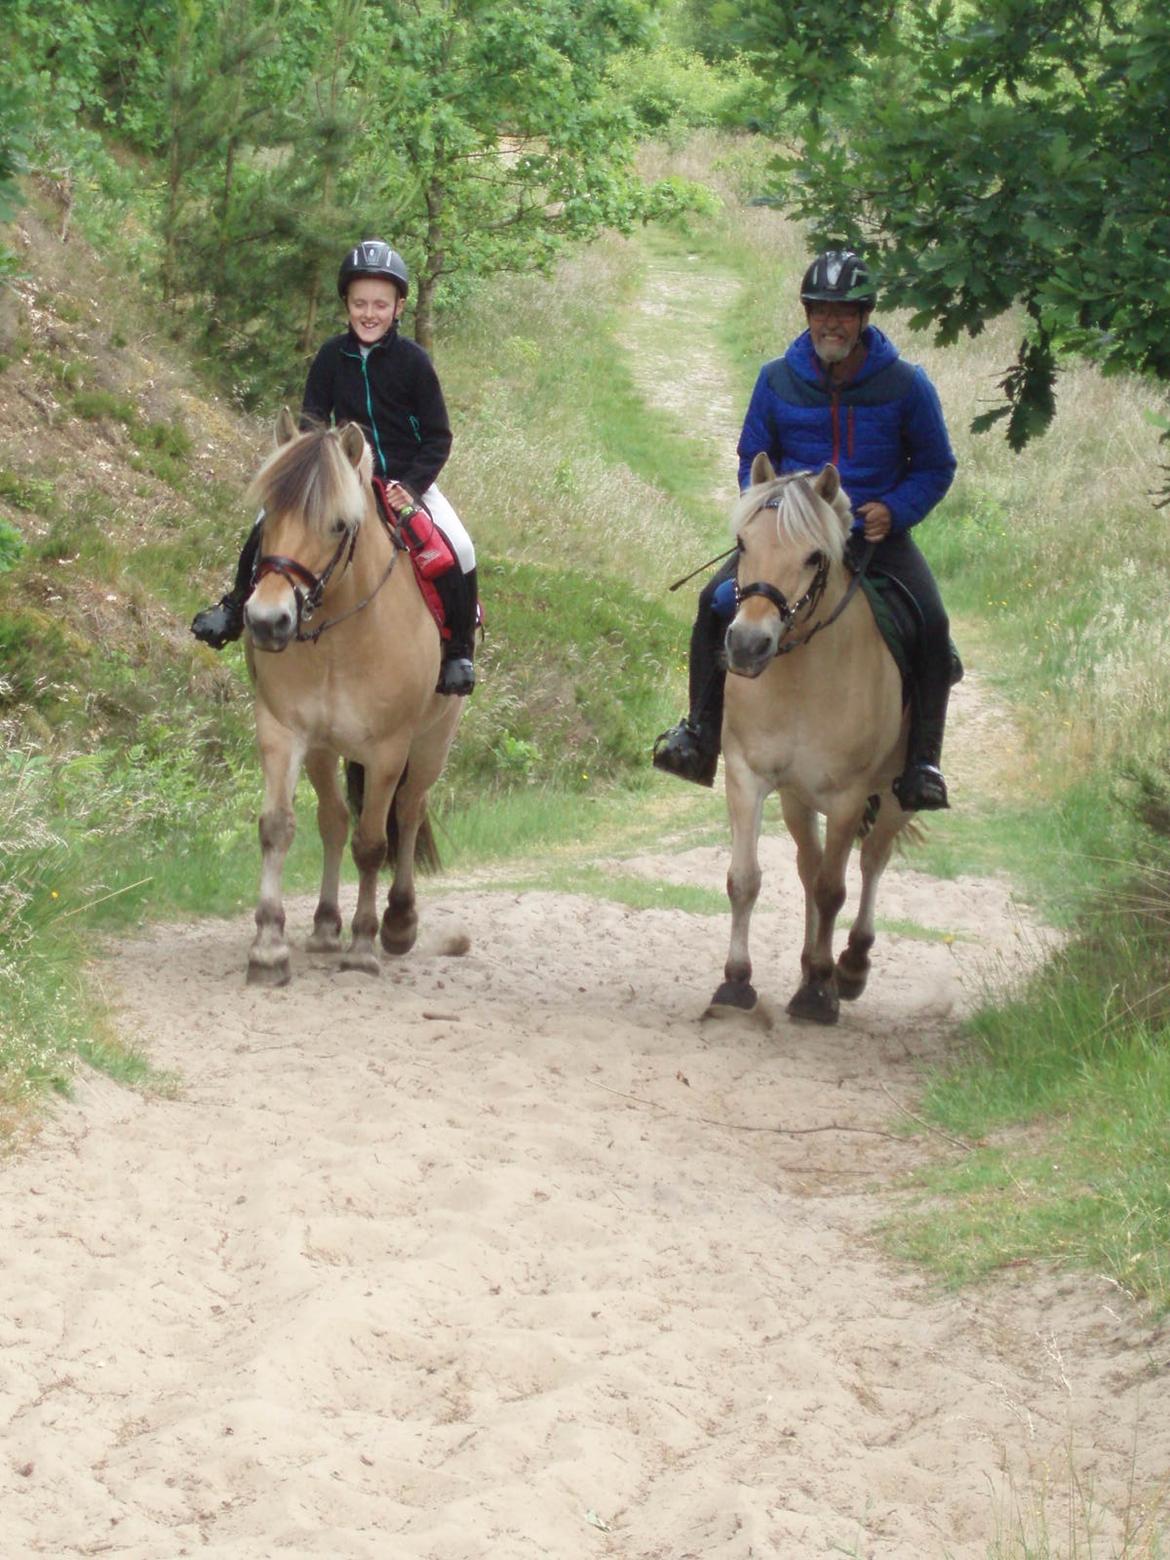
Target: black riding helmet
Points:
(838, 276)
(372, 257)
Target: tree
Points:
(1013, 153)
(513, 143)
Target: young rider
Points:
(842, 393)
(372, 375)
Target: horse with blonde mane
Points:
(344, 657)
(814, 710)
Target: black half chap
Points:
(900, 558)
(707, 672)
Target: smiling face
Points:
(373, 304)
(835, 329)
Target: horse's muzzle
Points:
(271, 633)
(749, 649)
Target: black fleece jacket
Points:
(394, 394)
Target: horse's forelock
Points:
(311, 476)
(802, 516)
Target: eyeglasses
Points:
(833, 311)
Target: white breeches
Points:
(444, 516)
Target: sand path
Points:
(512, 1255)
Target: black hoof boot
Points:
(683, 751)
(456, 676)
(921, 788)
(219, 625)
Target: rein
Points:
(309, 598)
(807, 603)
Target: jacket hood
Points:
(803, 361)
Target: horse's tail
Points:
(426, 850)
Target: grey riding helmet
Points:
(838, 276)
(372, 257)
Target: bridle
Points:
(309, 589)
(806, 605)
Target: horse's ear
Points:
(828, 482)
(353, 442)
(286, 428)
(762, 470)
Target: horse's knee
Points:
(277, 829)
(369, 855)
(743, 888)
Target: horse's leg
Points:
(428, 754)
(369, 854)
(853, 965)
(281, 756)
(333, 825)
(822, 872)
(745, 804)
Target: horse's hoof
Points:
(323, 942)
(850, 985)
(737, 994)
(361, 963)
(814, 1004)
(399, 939)
(278, 973)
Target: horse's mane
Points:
(313, 476)
(802, 516)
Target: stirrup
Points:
(921, 788)
(219, 625)
(456, 676)
(682, 751)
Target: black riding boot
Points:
(690, 750)
(219, 625)
(459, 594)
(921, 787)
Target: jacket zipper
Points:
(370, 412)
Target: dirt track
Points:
(511, 1255)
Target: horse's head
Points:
(790, 532)
(314, 491)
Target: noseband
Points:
(807, 604)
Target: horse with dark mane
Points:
(814, 711)
(344, 655)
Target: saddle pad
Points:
(896, 617)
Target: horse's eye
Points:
(339, 528)
(739, 544)
(814, 560)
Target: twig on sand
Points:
(742, 1126)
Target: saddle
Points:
(898, 618)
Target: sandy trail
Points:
(512, 1255)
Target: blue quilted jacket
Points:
(883, 430)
